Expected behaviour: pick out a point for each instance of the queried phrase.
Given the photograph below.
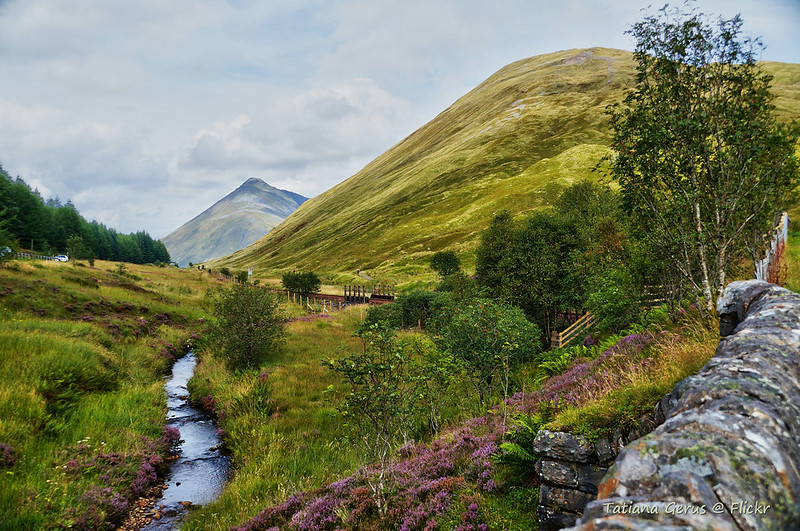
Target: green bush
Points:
(389, 313)
(249, 325)
(614, 299)
(408, 311)
(490, 339)
(304, 283)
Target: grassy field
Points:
(282, 431)
(293, 467)
(512, 143)
(83, 351)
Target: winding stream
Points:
(200, 472)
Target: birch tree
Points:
(700, 158)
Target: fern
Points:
(517, 452)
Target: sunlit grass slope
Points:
(513, 143)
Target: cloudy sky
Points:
(144, 113)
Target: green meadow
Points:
(83, 352)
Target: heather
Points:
(477, 474)
(83, 352)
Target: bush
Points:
(489, 338)
(249, 325)
(408, 311)
(380, 402)
(304, 283)
(387, 313)
(459, 285)
(614, 299)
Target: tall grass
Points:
(283, 431)
(638, 386)
(82, 354)
(792, 261)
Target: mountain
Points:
(513, 143)
(232, 223)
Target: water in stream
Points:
(200, 471)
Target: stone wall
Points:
(728, 454)
(570, 469)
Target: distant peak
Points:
(254, 180)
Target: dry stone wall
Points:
(570, 469)
(727, 456)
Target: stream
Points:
(201, 470)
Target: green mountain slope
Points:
(514, 142)
(232, 223)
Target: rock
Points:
(727, 455)
(589, 477)
(564, 446)
(604, 449)
(552, 519)
(557, 472)
(563, 499)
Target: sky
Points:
(145, 113)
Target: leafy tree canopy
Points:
(304, 283)
(702, 163)
(47, 226)
(445, 263)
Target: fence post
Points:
(555, 339)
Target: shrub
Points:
(249, 325)
(379, 406)
(614, 299)
(489, 338)
(387, 313)
(304, 283)
(408, 311)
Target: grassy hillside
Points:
(83, 351)
(512, 143)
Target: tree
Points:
(249, 325)
(76, 249)
(494, 245)
(539, 268)
(445, 263)
(488, 338)
(381, 400)
(304, 283)
(700, 158)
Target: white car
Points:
(62, 258)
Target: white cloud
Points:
(316, 128)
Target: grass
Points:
(512, 143)
(638, 385)
(83, 351)
(792, 260)
(283, 432)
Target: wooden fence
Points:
(376, 295)
(575, 330)
(379, 294)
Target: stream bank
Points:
(201, 470)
